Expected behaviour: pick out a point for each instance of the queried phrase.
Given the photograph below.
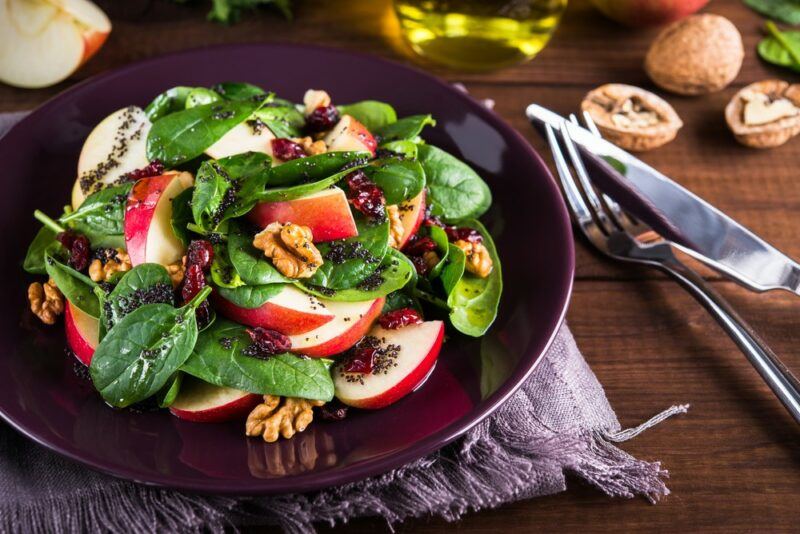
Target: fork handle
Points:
(782, 382)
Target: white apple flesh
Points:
(419, 347)
(82, 332)
(242, 138)
(349, 134)
(202, 402)
(412, 213)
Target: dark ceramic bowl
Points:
(41, 396)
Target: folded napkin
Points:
(558, 422)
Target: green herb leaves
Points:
(456, 190)
(101, 217)
(781, 48)
(76, 287)
(787, 11)
(371, 113)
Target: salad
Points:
(230, 254)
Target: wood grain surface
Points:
(734, 459)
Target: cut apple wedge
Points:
(412, 213)
(83, 333)
(290, 312)
(202, 402)
(351, 321)
(411, 353)
(148, 219)
(349, 134)
(327, 213)
(242, 138)
(116, 146)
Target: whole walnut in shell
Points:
(765, 114)
(630, 117)
(697, 55)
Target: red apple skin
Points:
(348, 338)
(329, 216)
(284, 320)
(408, 384)
(637, 13)
(141, 207)
(81, 344)
(364, 135)
(92, 42)
(353, 132)
(417, 214)
(218, 414)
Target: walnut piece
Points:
(765, 114)
(104, 271)
(46, 301)
(177, 271)
(315, 98)
(291, 249)
(479, 262)
(396, 228)
(273, 418)
(311, 147)
(631, 117)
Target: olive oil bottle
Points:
(478, 34)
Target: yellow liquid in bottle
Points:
(478, 34)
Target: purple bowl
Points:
(41, 396)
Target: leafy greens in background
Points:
(230, 11)
(781, 48)
(787, 11)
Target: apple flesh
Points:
(148, 219)
(412, 213)
(83, 333)
(42, 42)
(290, 312)
(327, 213)
(242, 138)
(349, 134)
(419, 347)
(116, 146)
(637, 13)
(351, 321)
(202, 402)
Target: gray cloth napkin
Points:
(559, 422)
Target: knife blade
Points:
(676, 213)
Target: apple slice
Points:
(327, 213)
(206, 403)
(351, 321)
(242, 138)
(419, 347)
(349, 134)
(148, 219)
(83, 333)
(412, 213)
(44, 41)
(290, 312)
(116, 146)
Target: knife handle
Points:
(779, 378)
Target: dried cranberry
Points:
(455, 233)
(203, 314)
(286, 149)
(417, 246)
(433, 220)
(193, 282)
(66, 239)
(420, 265)
(266, 343)
(321, 119)
(361, 360)
(366, 196)
(399, 318)
(333, 411)
(201, 253)
(155, 168)
(80, 251)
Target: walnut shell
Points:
(698, 55)
(632, 118)
(773, 131)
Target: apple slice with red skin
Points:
(327, 213)
(202, 402)
(148, 219)
(412, 213)
(419, 347)
(83, 333)
(638, 13)
(349, 134)
(290, 312)
(351, 321)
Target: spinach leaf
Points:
(250, 263)
(399, 300)
(200, 96)
(283, 121)
(184, 135)
(140, 354)
(314, 168)
(443, 247)
(170, 391)
(453, 269)
(370, 113)
(787, 11)
(405, 128)
(250, 297)
(182, 215)
(394, 272)
(781, 48)
(169, 101)
(398, 179)
(222, 272)
(218, 358)
(77, 288)
(473, 301)
(403, 148)
(347, 262)
(148, 283)
(280, 194)
(101, 217)
(238, 90)
(456, 191)
(34, 258)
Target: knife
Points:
(697, 227)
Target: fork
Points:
(621, 237)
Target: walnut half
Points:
(765, 114)
(46, 301)
(273, 418)
(291, 249)
(479, 262)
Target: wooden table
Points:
(734, 458)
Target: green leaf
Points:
(399, 300)
(184, 135)
(218, 359)
(398, 179)
(405, 128)
(250, 263)
(370, 113)
(443, 248)
(238, 90)
(283, 121)
(34, 258)
(787, 11)
(200, 96)
(182, 215)
(781, 48)
(250, 297)
(453, 269)
(229, 11)
(77, 288)
(101, 217)
(222, 272)
(169, 101)
(315, 168)
(474, 300)
(170, 391)
(148, 283)
(403, 148)
(281, 194)
(456, 191)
